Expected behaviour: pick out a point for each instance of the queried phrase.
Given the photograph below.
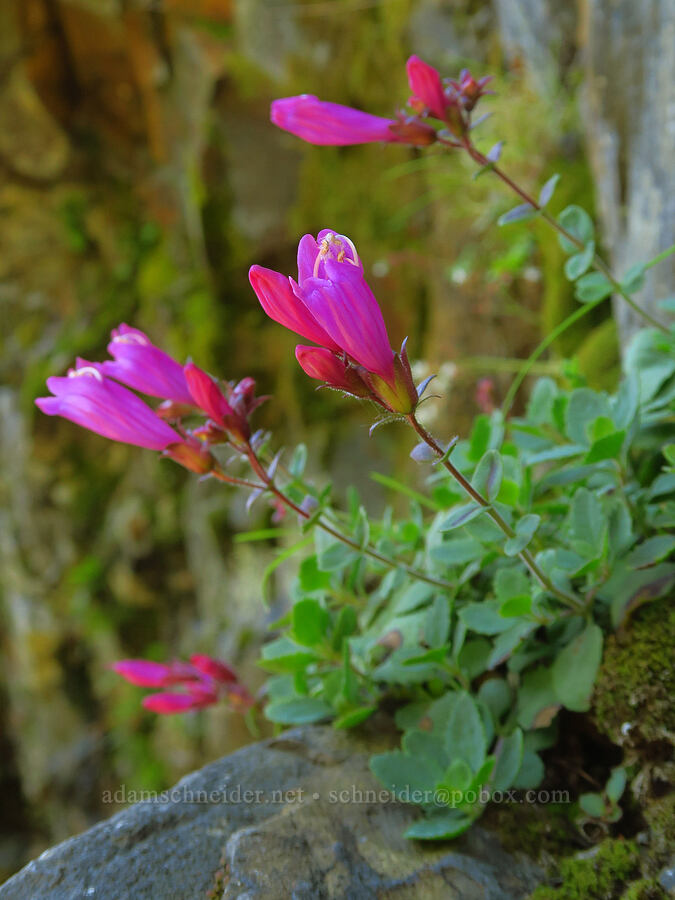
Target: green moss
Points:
(598, 877)
(636, 681)
(546, 831)
(660, 816)
(644, 889)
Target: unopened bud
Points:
(192, 455)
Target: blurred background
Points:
(139, 179)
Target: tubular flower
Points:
(332, 305)
(204, 681)
(426, 86)
(140, 365)
(319, 122)
(89, 399)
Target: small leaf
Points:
(525, 529)
(422, 386)
(535, 695)
(300, 711)
(354, 717)
(616, 784)
(579, 224)
(483, 618)
(310, 621)
(440, 827)
(509, 761)
(531, 771)
(651, 551)
(403, 775)
(516, 606)
(487, 478)
(422, 453)
(607, 447)
(575, 668)
(592, 287)
(634, 278)
(298, 461)
(520, 213)
(465, 734)
(495, 152)
(593, 805)
(546, 192)
(576, 265)
(460, 515)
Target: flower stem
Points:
(598, 262)
(525, 555)
(271, 486)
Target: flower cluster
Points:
(332, 305)
(97, 396)
(203, 681)
(448, 101)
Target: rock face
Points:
(297, 816)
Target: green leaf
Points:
(465, 734)
(483, 617)
(311, 578)
(437, 622)
(509, 761)
(512, 582)
(520, 213)
(440, 827)
(458, 551)
(298, 461)
(546, 192)
(458, 776)
(283, 655)
(480, 438)
(507, 642)
(300, 711)
(593, 805)
(423, 744)
(584, 407)
(537, 701)
(576, 265)
(616, 784)
(403, 775)
(579, 224)
(496, 695)
(525, 529)
(516, 606)
(540, 403)
(310, 621)
(473, 656)
(608, 447)
(531, 771)
(345, 624)
(627, 589)
(592, 287)
(460, 515)
(651, 551)
(575, 668)
(487, 478)
(281, 558)
(335, 556)
(588, 523)
(634, 278)
(354, 717)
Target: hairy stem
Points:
(598, 262)
(271, 486)
(525, 555)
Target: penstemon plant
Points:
(482, 612)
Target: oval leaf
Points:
(575, 668)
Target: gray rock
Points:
(297, 816)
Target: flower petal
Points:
(319, 122)
(426, 85)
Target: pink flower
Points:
(208, 396)
(427, 87)
(204, 681)
(319, 363)
(320, 122)
(332, 305)
(140, 365)
(89, 399)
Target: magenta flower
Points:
(332, 305)
(319, 363)
(140, 365)
(320, 122)
(208, 396)
(204, 681)
(427, 87)
(89, 399)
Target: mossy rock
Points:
(636, 683)
(600, 874)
